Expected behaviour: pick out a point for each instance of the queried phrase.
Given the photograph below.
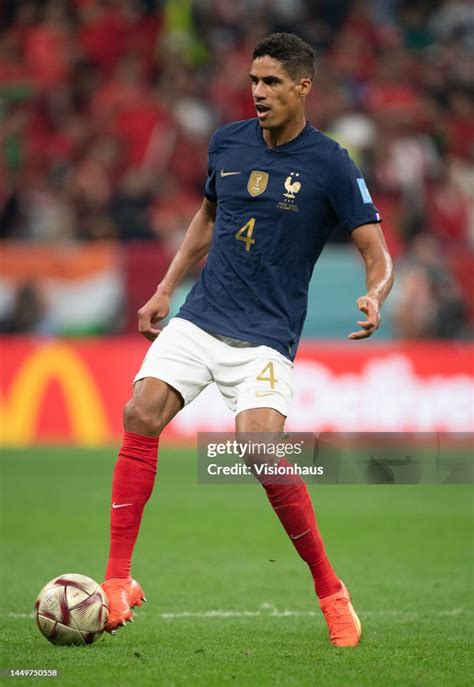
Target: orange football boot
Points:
(123, 595)
(344, 625)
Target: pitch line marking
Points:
(269, 610)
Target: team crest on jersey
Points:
(257, 183)
(292, 186)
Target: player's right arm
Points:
(194, 248)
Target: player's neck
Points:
(285, 134)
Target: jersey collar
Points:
(284, 146)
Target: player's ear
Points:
(304, 87)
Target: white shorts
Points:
(248, 375)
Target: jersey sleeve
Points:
(348, 194)
(210, 187)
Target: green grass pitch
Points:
(404, 551)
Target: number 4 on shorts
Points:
(270, 377)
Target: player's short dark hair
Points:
(296, 56)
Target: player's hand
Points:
(370, 307)
(154, 310)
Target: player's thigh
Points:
(259, 426)
(154, 403)
(178, 357)
(265, 420)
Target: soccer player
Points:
(276, 187)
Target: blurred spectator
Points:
(129, 207)
(28, 314)
(416, 33)
(447, 207)
(48, 46)
(454, 19)
(428, 300)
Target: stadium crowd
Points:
(106, 107)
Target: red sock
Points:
(292, 504)
(133, 479)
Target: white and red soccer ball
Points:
(71, 609)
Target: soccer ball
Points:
(71, 609)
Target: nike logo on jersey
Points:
(228, 174)
(121, 505)
(259, 394)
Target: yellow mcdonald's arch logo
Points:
(19, 411)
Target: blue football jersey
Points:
(275, 210)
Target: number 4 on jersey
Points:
(246, 238)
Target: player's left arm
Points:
(370, 242)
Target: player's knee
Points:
(254, 425)
(260, 420)
(138, 417)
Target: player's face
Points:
(278, 98)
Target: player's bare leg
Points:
(292, 504)
(152, 406)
